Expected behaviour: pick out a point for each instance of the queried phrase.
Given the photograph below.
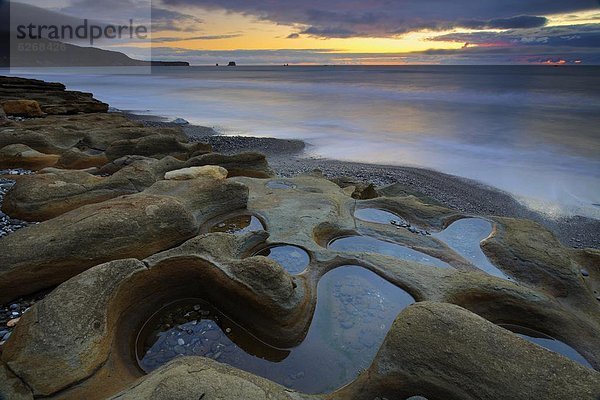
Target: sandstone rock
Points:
(76, 159)
(52, 97)
(3, 119)
(533, 255)
(75, 334)
(49, 253)
(22, 156)
(202, 378)
(362, 190)
(12, 388)
(208, 171)
(252, 165)
(71, 340)
(443, 351)
(53, 192)
(88, 133)
(156, 146)
(22, 108)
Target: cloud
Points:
(587, 35)
(205, 37)
(387, 18)
(470, 55)
(293, 36)
(522, 21)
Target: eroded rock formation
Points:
(120, 242)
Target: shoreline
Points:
(287, 159)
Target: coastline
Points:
(181, 264)
(288, 159)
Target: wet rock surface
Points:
(53, 98)
(221, 283)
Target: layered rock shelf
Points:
(150, 267)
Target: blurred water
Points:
(530, 130)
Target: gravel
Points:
(9, 225)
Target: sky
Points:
(356, 31)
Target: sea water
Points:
(533, 131)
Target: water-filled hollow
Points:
(378, 216)
(238, 225)
(372, 245)
(354, 311)
(547, 342)
(280, 184)
(293, 259)
(464, 237)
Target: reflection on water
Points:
(238, 225)
(547, 342)
(355, 309)
(280, 185)
(193, 327)
(464, 236)
(371, 245)
(292, 258)
(378, 216)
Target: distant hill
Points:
(53, 53)
(57, 54)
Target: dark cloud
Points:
(293, 36)
(205, 37)
(522, 21)
(169, 20)
(385, 18)
(330, 32)
(571, 35)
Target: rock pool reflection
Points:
(547, 342)
(280, 185)
(292, 258)
(354, 312)
(378, 216)
(371, 245)
(464, 236)
(238, 225)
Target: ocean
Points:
(533, 131)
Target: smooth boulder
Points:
(22, 108)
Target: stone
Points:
(3, 119)
(443, 351)
(166, 214)
(12, 388)
(13, 322)
(80, 316)
(584, 272)
(180, 121)
(253, 165)
(53, 192)
(361, 190)
(52, 97)
(156, 146)
(22, 156)
(207, 171)
(201, 378)
(22, 108)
